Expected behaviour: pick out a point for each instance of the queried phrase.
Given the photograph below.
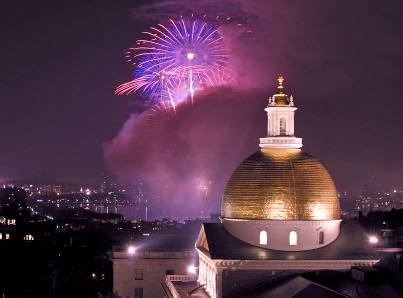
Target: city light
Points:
(131, 250)
(192, 269)
(373, 240)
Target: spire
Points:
(280, 98)
(280, 85)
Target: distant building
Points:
(139, 272)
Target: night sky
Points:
(62, 60)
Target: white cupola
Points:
(280, 121)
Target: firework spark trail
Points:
(172, 101)
(176, 62)
(156, 113)
(191, 86)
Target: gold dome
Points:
(280, 184)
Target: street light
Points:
(192, 269)
(373, 240)
(131, 250)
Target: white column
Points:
(205, 273)
(213, 285)
(208, 279)
(200, 278)
(210, 283)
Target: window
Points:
(169, 272)
(293, 238)
(138, 274)
(263, 238)
(321, 237)
(282, 127)
(138, 292)
(1, 236)
(11, 222)
(7, 236)
(28, 238)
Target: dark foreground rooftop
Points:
(162, 243)
(295, 287)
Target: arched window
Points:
(28, 237)
(282, 127)
(293, 238)
(263, 238)
(321, 237)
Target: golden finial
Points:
(280, 84)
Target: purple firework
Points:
(176, 61)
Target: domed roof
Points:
(280, 184)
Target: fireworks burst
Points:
(176, 62)
(156, 114)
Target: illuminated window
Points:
(282, 127)
(1, 236)
(28, 238)
(321, 237)
(11, 222)
(7, 236)
(293, 238)
(263, 238)
(138, 274)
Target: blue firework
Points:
(177, 61)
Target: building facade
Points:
(140, 269)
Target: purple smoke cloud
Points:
(198, 145)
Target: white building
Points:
(138, 272)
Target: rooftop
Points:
(158, 246)
(295, 286)
(352, 244)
